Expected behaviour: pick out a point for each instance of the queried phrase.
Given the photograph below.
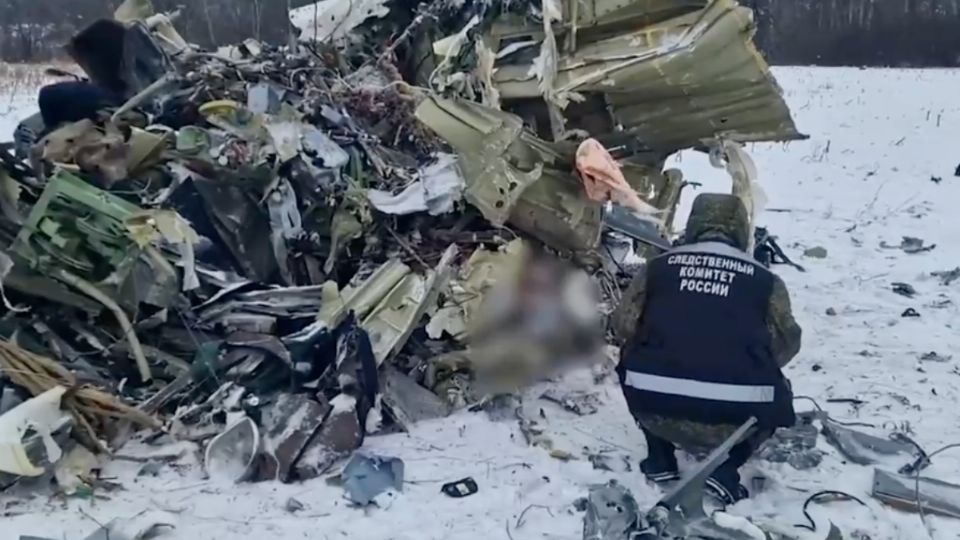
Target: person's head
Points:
(718, 217)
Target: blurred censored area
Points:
(543, 314)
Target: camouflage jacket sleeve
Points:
(627, 314)
(785, 333)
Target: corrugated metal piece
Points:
(674, 83)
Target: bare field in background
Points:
(18, 89)
(19, 78)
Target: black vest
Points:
(702, 347)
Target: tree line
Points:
(36, 30)
(916, 33)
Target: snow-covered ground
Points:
(12, 111)
(18, 95)
(878, 138)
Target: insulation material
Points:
(42, 415)
(335, 19)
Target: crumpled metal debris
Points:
(139, 527)
(264, 98)
(331, 229)
(862, 448)
(318, 144)
(408, 402)
(611, 513)
(289, 425)
(231, 455)
(581, 403)
(439, 188)
(796, 446)
(645, 75)
(911, 245)
(611, 462)
(513, 176)
(901, 492)
(947, 276)
(341, 434)
(366, 478)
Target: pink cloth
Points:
(602, 178)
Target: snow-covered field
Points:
(13, 109)
(18, 94)
(878, 138)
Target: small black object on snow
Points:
(849, 401)
(769, 252)
(910, 313)
(904, 289)
(933, 356)
(460, 488)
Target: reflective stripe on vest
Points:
(703, 390)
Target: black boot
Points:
(661, 463)
(659, 472)
(724, 485)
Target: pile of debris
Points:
(274, 251)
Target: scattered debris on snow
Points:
(273, 254)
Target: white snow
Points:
(877, 138)
(18, 96)
(12, 111)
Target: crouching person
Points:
(705, 330)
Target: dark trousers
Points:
(662, 452)
(72, 101)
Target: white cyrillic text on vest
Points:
(708, 274)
